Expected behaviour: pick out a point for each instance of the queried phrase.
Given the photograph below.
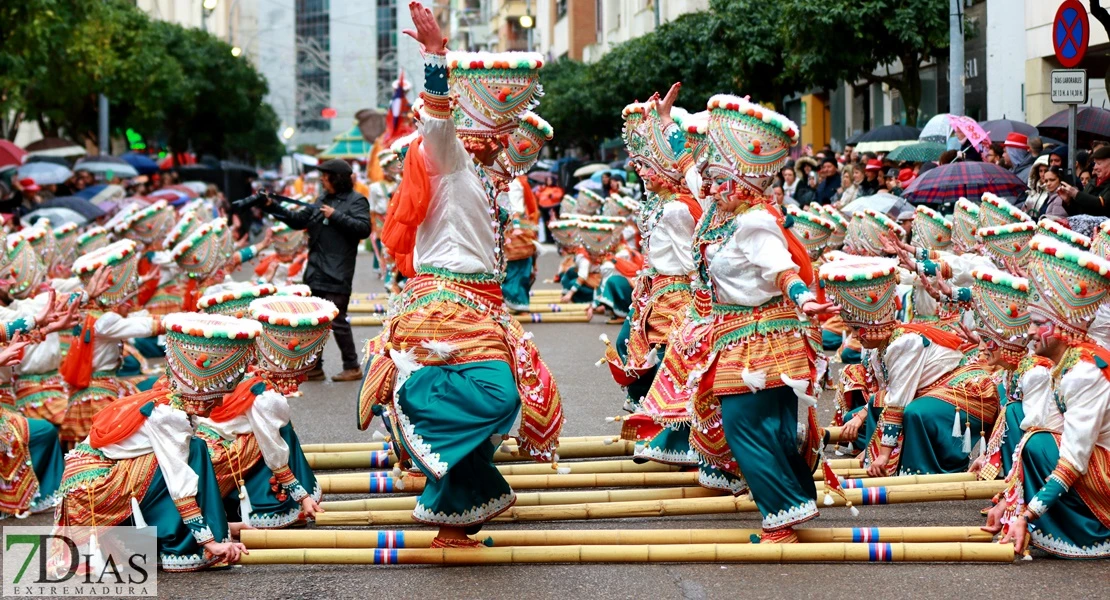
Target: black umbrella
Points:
(1091, 123)
(1000, 128)
(890, 133)
(77, 204)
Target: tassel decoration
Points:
(244, 503)
(982, 444)
(828, 499)
(852, 509)
(967, 441)
(96, 559)
(136, 514)
(956, 426)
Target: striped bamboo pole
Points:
(535, 498)
(366, 306)
(372, 446)
(381, 458)
(557, 307)
(376, 319)
(351, 538)
(373, 308)
(935, 492)
(366, 321)
(373, 483)
(647, 553)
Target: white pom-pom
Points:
(608, 441)
(755, 380)
(828, 499)
(405, 361)
(613, 419)
(652, 359)
(527, 336)
(854, 511)
(378, 436)
(439, 348)
(399, 483)
(505, 448)
(604, 338)
(1027, 557)
(562, 471)
(396, 472)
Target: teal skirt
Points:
(762, 430)
(850, 356)
(639, 388)
(48, 462)
(1069, 529)
(569, 279)
(671, 446)
(177, 549)
(928, 446)
(1013, 413)
(870, 423)
(149, 347)
(830, 340)
(616, 294)
(446, 416)
(518, 283)
(267, 512)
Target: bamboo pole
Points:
(366, 306)
(536, 498)
(570, 317)
(374, 483)
(371, 446)
(415, 538)
(366, 321)
(363, 460)
(556, 307)
(536, 295)
(395, 514)
(648, 553)
(845, 463)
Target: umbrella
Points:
(621, 164)
(10, 154)
(612, 173)
(972, 131)
(588, 184)
(590, 169)
(57, 216)
(198, 187)
(948, 183)
(887, 204)
(917, 152)
(77, 204)
(44, 173)
(938, 129)
(887, 138)
(104, 165)
(544, 177)
(173, 197)
(1090, 123)
(999, 129)
(102, 194)
(54, 160)
(142, 163)
(54, 147)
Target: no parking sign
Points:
(1071, 30)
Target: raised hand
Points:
(427, 32)
(12, 354)
(44, 315)
(100, 282)
(663, 107)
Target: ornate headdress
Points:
(965, 222)
(635, 138)
(22, 265)
(996, 211)
(748, 143)
(836, 240)
(865, 291)
(93, 238)
(866, 230)
(620, 206)
(41, 237)
(206, 250)
(206, 356)
(186, 226)
(121, 259)
(598, 239)
(287, 241)
(1068, 285)
(588, 203)
(65, 238)
(525, 144)
(1055, 230)
(1002, 305)
(695, 126)
(813, 230)
(1008, 245)
(147, 225)
(294, 330)
(659, 156)
(565, 232)
(492, 90)
(931, 231)
(234, 301)
(1100, 243)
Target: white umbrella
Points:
(588, 170)
(887, 204)
(197, 186)
(123, 170)
(44, 173)
(938, 129)
(588, 184)
(58, 216)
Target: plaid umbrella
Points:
(917, 152)
(948, 183)
(1091, 123)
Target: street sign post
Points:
(1071, 31)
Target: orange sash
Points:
(121, 419)
(77, 368)
(408, 209)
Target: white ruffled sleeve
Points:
(169, 432)
(269, 413)
(671, 246)
(1037, 401)
(1086, 393)
(443, 151)
(761, 240)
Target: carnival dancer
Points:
(1056, 499)
(261, 470)
(452, 366)
(285, 265)
(141, 464)
(111, 277)
(380, 193)
(926, 389)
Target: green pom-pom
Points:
(258, 388)
(1100, 363)
(146, 409)
(753, 538)
(377, 409)
(488, 542)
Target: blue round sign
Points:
(1070, 33)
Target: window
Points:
(560, 9)
(313, 72)
(387, 50)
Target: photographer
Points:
(336, 223)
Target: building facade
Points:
(1041, 60)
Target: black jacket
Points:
(1095, 201)
(332, 243)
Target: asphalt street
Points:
(326, 413)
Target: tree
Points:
(848, 40)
